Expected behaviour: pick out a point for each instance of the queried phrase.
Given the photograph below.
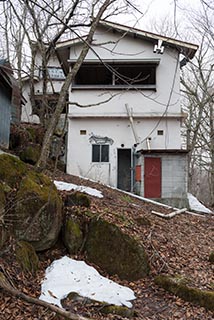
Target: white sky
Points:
(156, 11)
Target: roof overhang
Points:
(186, 48)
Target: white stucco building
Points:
(125, 118)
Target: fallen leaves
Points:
(179, 246)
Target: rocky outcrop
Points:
(36, 210)
(104, 244)
(72, 235)
(180, 287)
(12, 170)
(3, 230)
(30, 154)
(26, 256)
(77, 199)
(36, 206)
(115, 252)
(39, 208)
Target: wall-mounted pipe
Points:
(148, 143)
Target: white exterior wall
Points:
(79, 153)
(26, 114)
(151, 110)
(53, 86)
(146, 101)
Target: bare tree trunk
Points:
(62, 98)
(212, 154)
(6, 32)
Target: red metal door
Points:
(152, 177)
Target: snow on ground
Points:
(196, 205)
(67, 275)
(65, 186)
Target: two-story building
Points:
(125, 118)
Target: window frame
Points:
(113, 86)
(100, 153)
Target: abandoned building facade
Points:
(124, 115)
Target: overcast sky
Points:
(160, 10)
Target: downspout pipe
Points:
(132, 124)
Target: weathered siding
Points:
(5, 114)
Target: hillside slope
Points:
(181, 245)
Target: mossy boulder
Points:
(3, 236)
(26, 256)
(30, 154)
(77, 199)
(121, 311)
(12, 170)
(115, 252)
(2, 199)
(23, 134)
(211, 257)
(36, 133)
(38, 211)
(3, 231)
(72, 235)
(177, 286)
(36, 205)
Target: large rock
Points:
(30, 153)
(3, 229)
(72, 235)
(77, 199)
(26, 256)
(180, 287)
(12, 170)
(36, 205)
(115, 252)
(38, 211)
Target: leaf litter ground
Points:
(181, 245)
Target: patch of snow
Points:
(67, 275)
(196, 205)
(65, 186)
